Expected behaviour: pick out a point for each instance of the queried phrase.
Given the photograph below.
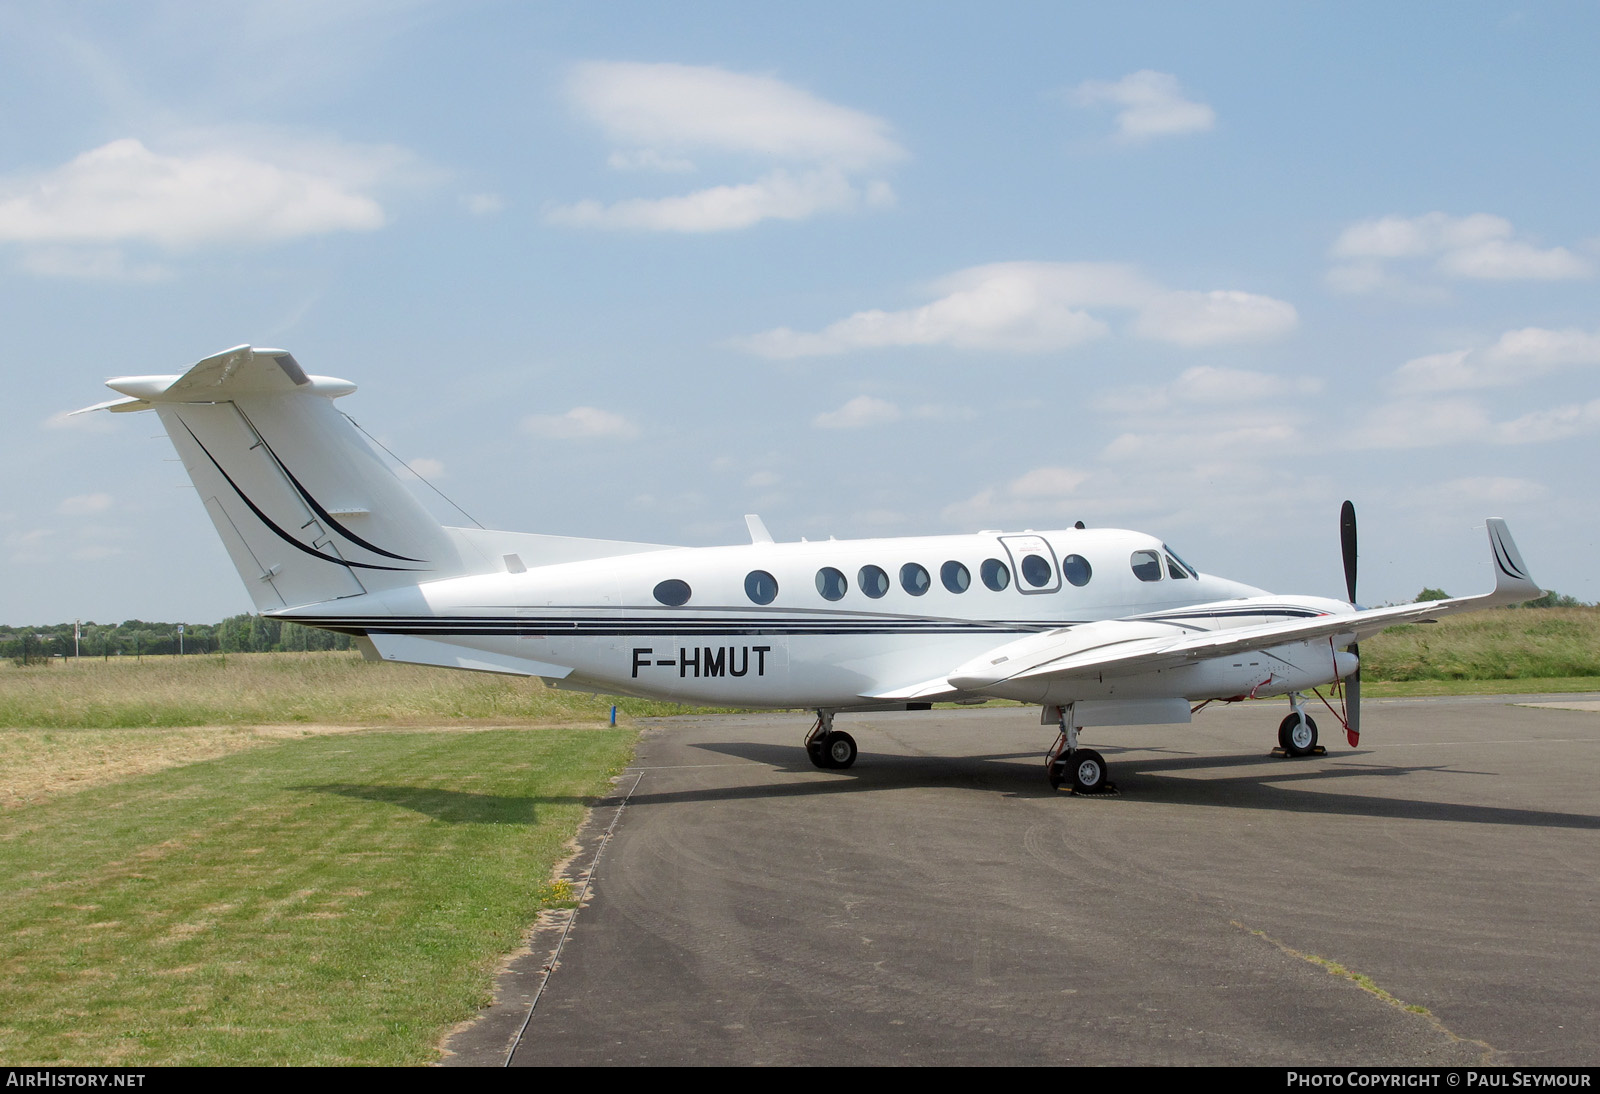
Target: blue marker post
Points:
(613, 714)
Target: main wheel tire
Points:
(840, 750)
(817, 752)
(1056, 770)
(1088, 770)
(1297, 735)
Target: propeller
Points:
(1352, 684)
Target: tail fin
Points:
(307, 509)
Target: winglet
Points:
(1512, 583)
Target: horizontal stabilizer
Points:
(116, 406)
(231, 374)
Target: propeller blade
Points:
(1352, 683)
(1347, 544)
(1352, 702)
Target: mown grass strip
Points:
(328, 900)
(276, 688)
(1411, 689)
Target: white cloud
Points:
(1537, 346)
(1413, 237)
(664, 108)
(483, 205)
(1422, 424)
(580, 423)
(779, 195)
(1208, 318)
(1048, 482)
(661, 114)
(426, 467)
(1435, 422)
(1509, 260)
(1037, 307)
(1251, 435)
(1208, 386)
(90, 264)
(1151, 105)
(1443, 372)
(1549, 425)
(1371, 276)
(1479, 246)
(1517, 355)
(858, 413)
(648, 159)
(84, 505)
(1484, 490)
(125, 192)
(1039, 493)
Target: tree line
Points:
(138, 638)
(258, 634)
(1550, 599)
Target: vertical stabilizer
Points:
(308, 511)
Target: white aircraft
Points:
(1099, 626)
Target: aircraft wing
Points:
(1132, 646)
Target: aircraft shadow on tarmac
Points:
(448, 806)
(1259, 785)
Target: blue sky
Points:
(867, 269)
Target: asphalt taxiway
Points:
(1428, 898)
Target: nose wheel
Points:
(1297, 734)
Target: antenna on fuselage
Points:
(758, 529)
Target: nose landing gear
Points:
(1297, 734)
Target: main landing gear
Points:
(830, 749)
(1084, 768)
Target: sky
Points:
(868, 269)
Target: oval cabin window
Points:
(831, 583)
(873, 581)
(672, 592)
(761, 586)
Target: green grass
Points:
(1527, 645)
(1407, 689)
(328, 900)
(326, 896)
(279, 688)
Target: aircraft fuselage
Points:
(821, 638)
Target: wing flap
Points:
(935, 690)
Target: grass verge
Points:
(277, 688)
(1409, 689)
(331, 899)
(1525, 644)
